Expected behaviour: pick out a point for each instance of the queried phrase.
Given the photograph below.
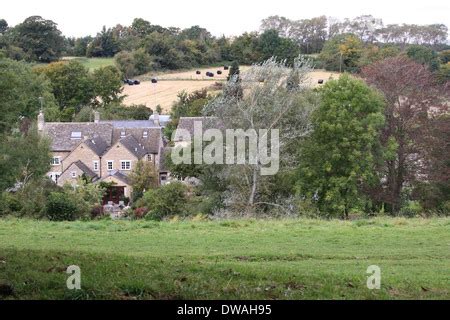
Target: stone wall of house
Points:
(57, 169)
(84, 154)
(117, 153)
(67, 178)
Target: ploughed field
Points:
(233, 259)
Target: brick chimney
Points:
(40, 122)
(96, 117)
(156, 118)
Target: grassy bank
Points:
(92, 63)
(289, 259)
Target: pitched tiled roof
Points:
(129, 124)
(119, 176)
(98, 145)
(133, 145)
(88, 172)
(151, 141)
(84, 168)
(188, 124)
(60, 134)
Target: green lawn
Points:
(243, 259)
(92, 63)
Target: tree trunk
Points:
(251, 200)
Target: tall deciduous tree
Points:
(342, 53)
(20, 90)
(71, 82)
(3, 26)
(39, 38)
(107, 83)
(143, 178)
(265, 105)
(338, 159)
(24, 157)
(413, 99)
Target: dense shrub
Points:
(166, 201)
(60, 207)
(9, 204)
(411, 209)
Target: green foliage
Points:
(168, 200)
(86, 196)
(134, 63)
(443, 74)
(234, 71)
(105, 44)
(3, 26)
(444, 56)
(143, 178)
(373, 53)
(107, 83)
(29, 200)
(81, 45)
(71, 82)
(20, 90)
(411, 209)
(23, 157)
(9, 204)
(338, 159)
(61, 207)
(424, 55)
(272, 45)
(40, 39)
(188, 105)
(342, 53)
(244, 48)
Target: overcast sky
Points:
(229, 17)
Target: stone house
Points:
(103, 151)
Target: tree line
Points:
(142, 46)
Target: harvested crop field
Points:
(165, 92)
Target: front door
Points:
(114, 195)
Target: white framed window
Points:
(123, 134)
(56, 161)
(110, 165)
(73, 174)
(96, 166)
(125, 165)
(145, 134)
(149, 157)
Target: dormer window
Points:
(145, 134)
(76, 135)
(123, 134)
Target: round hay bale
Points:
(320, 81)
(198, 72)
(226, 67)
(219, 72)
(154, 80)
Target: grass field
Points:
(92, 63)
(170, 84)
(243, 259)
